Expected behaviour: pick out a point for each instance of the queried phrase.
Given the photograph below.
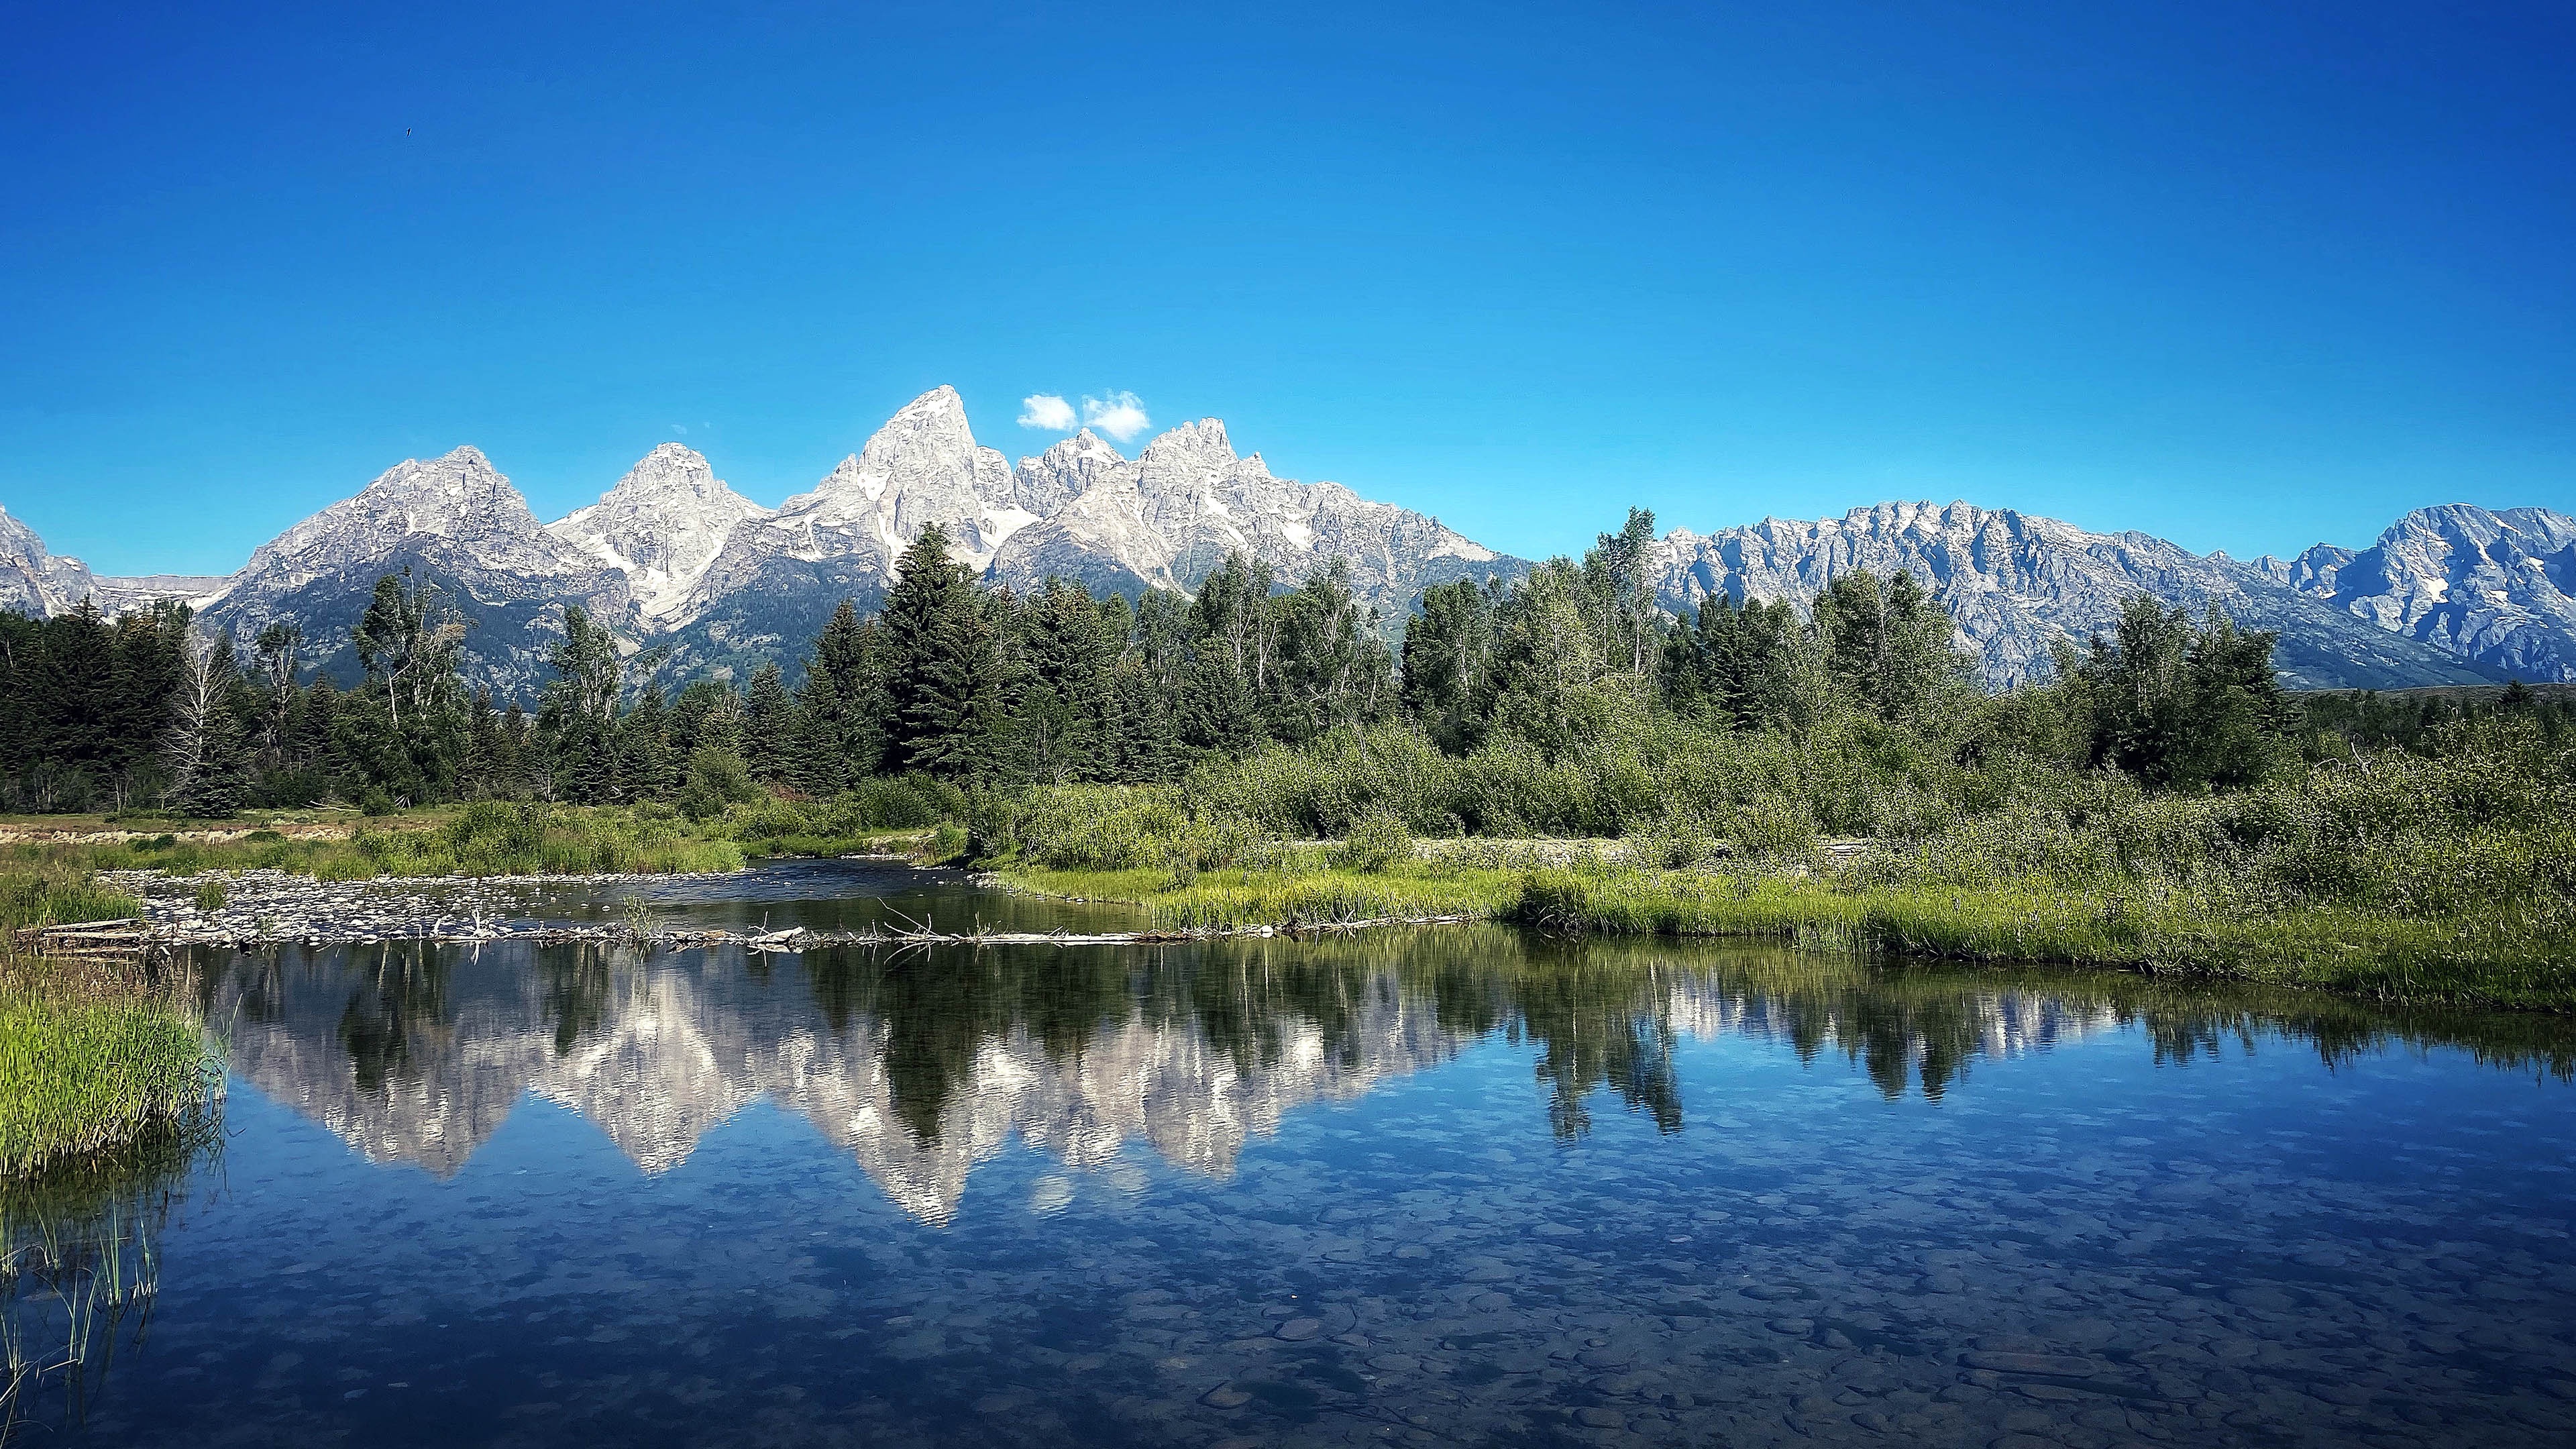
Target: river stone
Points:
(1225, 1396)
(1298, 1330)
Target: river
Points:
(1443, 1186)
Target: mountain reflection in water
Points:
(919, 1066)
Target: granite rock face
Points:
(34, 582)
(453, 521)
(2015, 584)
(2495, 588)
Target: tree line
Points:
(979, 685)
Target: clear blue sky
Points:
(2246, 275)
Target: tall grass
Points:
(92, 1054)
(2443, 876)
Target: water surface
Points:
(1435, 1187)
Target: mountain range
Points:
(712, 582)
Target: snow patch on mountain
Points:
(34, 582)
(662, 525)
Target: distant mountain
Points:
(34, 582)
(1170, 517)
(2014, 584)
(2494, 588)
(454, 522)
(1081, 510)
(677, 562)
(662, 526)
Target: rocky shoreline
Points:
(264, 908)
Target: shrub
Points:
(1375, 843)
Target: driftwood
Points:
(132, 937)
(126, 937)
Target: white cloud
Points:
(1046, 410)
(1121, 415)
(680, 428)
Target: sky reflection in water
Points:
(1436, 1187)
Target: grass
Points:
(2521, 959)
(92, 1056)
(1231, 899)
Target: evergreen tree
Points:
(647, 767)
(577, 712)
(2180, 707)
(944, 665)
(839, 737)
(1062, 721)
(768, 722)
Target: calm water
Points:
(1446, 1187)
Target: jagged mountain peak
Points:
(662, 525)
(33, 581)
(1085, 444)
(1190, 453)
(2015, 584)
(2494, 586)
(669, 467)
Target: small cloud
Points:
(680, 428)
(1046, 410)
(1121, 415)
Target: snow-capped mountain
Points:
(675, 560)
(453, 521)
(1081, 509)
(1170, 517)
(34, 582)
(2496, 588)
(2015, 583)
(661, 526)
(778, 576)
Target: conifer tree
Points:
(768, 720)
(943, 665)
(839, 737)
(577, 712)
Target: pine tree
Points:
(768, 720)
(647, 767)
(1062, 714)
(839, 737)
(577, 712)
(943, 665)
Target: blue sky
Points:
(2250, 276)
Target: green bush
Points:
(1375, 843)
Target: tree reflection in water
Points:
(1108, 1043)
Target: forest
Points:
(984, 688)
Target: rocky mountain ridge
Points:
(676, 561)
(2016, 583)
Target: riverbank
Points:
(2517, 959)
(93, 1052)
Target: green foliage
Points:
(2180, 706)
(717, 778)
(89, 1057)
(1375, 843)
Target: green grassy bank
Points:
(2462, 961)
(2436, 878)
(92, 1055)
